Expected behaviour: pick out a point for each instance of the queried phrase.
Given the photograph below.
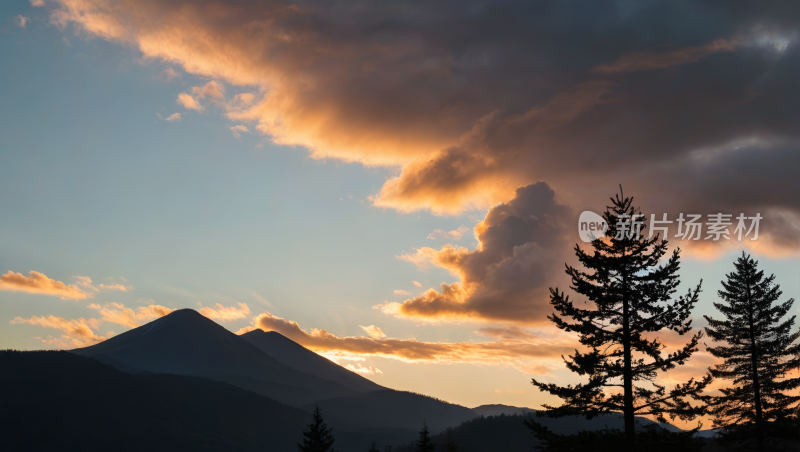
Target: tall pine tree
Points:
(318, 437)
(761, 350)
(424, 444)
(632, 297)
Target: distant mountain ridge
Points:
(186, 343)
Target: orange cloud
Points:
(417, 283)
(38, 283)
(238, 130)
(213, 89)
(508, 276)
(189, 102)
(368, 370)
(373, 331)
(527, 355)
(78, 332)
(456, 234)
(310, 88)
(119, 314)
(639, 61)
(226, 313)
(401, 292)
(118, 287)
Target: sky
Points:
(395, 186)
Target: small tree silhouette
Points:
(424, 444)
(760, 350)
(318, 437)
(373, 447)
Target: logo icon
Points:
(591, 226)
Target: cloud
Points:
(213, 89)
(21, 21)
(416, 283)
(78, 332)
(226, 313)
(175, 117)
(37, 3)
(508, 276)
(238, 129)
(170, 74)
(638, 61)
(38, 283)
(401, 292)
(189, 102)
(467, 106)
(358, 368)
(118, 287)
(527, 355)
(119, 314)
(373, 331)
(456, 234)
(85, 282)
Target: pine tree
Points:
(318, 437)
(760, 350)
(424, 444)
(632, 296)
(373, 447)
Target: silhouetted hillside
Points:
(397, 409)
(497, 410)
(296, 356)
(486, 434)
(60, 401)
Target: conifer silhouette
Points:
(424, 444)
(373, 447)
(318, 437)
(632, 297)
(761, 349)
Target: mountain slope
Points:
(570, 424)
(390, 408)
(186, 343)
(300, 358)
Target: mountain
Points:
(570, 424)
(390, 408)
(59, 401)
(300, 358)
(186, 343)
(496, 410)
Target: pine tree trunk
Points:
(754, 363)
(627, 375)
